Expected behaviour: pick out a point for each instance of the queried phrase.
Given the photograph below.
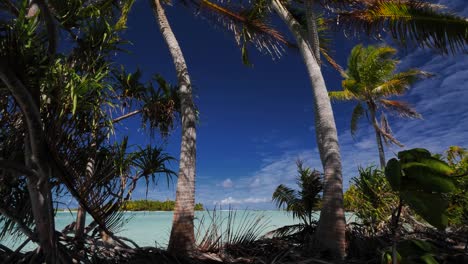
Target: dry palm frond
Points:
(389, 137)
(403, 109)
(385, 127)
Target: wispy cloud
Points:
(227, 183)
(250, 200)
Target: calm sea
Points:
(153, 228)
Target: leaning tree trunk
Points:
(378, 135)
(182, 239)
(35, 157)
(331, 228)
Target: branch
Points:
(11, 165)
(120, 118)
(30, 110)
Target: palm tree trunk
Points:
(182, 239)
(378, 136)
(330, 233)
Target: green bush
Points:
(371, 198)
(147, 205)
(457, 158)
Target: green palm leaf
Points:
(399, 83)
(341, 95)
(358, 112)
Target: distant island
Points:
(149, 205)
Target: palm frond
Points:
(403, 109)
(385, 127)
(389, 137)
(332, 62)
(399, 83)
(284, 196)
(151, 163)
(125, 10)
(288, 230)
(358, 113)
(409, 21)
(341, 95)
(249, 24)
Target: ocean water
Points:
(153, 228)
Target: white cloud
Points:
(249, 200)
(227, 183)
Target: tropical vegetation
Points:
(66, 100)
(148, 205)
(371, 79)
(302, 203)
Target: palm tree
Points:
(182, 238)
(370, 80)
(409, 21)
(303, 202)
(331, 228)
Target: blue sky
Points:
(255, 122)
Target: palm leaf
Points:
(358, 112)
(399, 83)
(248, 24)
(409, 21)
(341, 95)
(403, 109)
(385, 126)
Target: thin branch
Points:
(120, 118)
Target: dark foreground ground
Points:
(443, 247)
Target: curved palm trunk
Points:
(331, 229)
(182, 239)
(378, 135)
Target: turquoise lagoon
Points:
(153, 228)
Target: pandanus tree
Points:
(371, 79)
(408, 21)
(56, 117)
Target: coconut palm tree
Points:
(301, 203)
(182, 238)
(370, 80)
(331, 229)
